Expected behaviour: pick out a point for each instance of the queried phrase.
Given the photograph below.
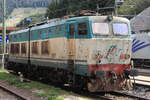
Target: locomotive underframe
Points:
(105, 81)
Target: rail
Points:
(24, 95)
(128, 95)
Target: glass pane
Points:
(100, 28)
(71, 29)
(120, 29)
(82, 29)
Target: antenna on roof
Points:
(97, 10)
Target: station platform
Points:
(143, 78)
(143, 72)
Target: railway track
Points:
(97, 96)
(102, 96)
(116, 95)
(19, 93)
(126, 94)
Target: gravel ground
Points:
(141, 91)
(7, 96)
(118, 97)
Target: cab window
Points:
(82, 28)
(100, 28)
(71, 29)
(120, 29)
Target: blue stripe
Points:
(138, 45)
(52, 59)
(76, 60)
(141, 47)
(135, 43)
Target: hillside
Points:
(12, 4)
(18, 14)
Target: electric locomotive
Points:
(89, 52)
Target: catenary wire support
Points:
(4, 34)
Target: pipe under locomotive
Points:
(92, 52)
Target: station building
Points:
(141, 22)
(8, 30)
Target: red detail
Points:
(99, 57)
(124, 56)
(10, 28)
(117, 68)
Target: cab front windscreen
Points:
(120, 29)
(110, 29)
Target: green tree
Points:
(60, 8)
(130, 7)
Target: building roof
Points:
(141, 22)
(9, 29)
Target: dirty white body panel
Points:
(109, 49)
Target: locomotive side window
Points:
(34, 47)
(16, 48)
(12, 49)
(58, 29)
(71, 29)
(45, 47)
(120, 29)
(100, 28)
(23, 48)
(82, 28)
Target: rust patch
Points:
(71, 49)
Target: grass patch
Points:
(39, 89)
(1, 71)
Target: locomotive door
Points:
(71, 45)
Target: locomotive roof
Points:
(19, 31)
(55, 22)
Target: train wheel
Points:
(92, 86)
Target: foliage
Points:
(59, 8)
(39, 89)
(11, 4)
(131, 7)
